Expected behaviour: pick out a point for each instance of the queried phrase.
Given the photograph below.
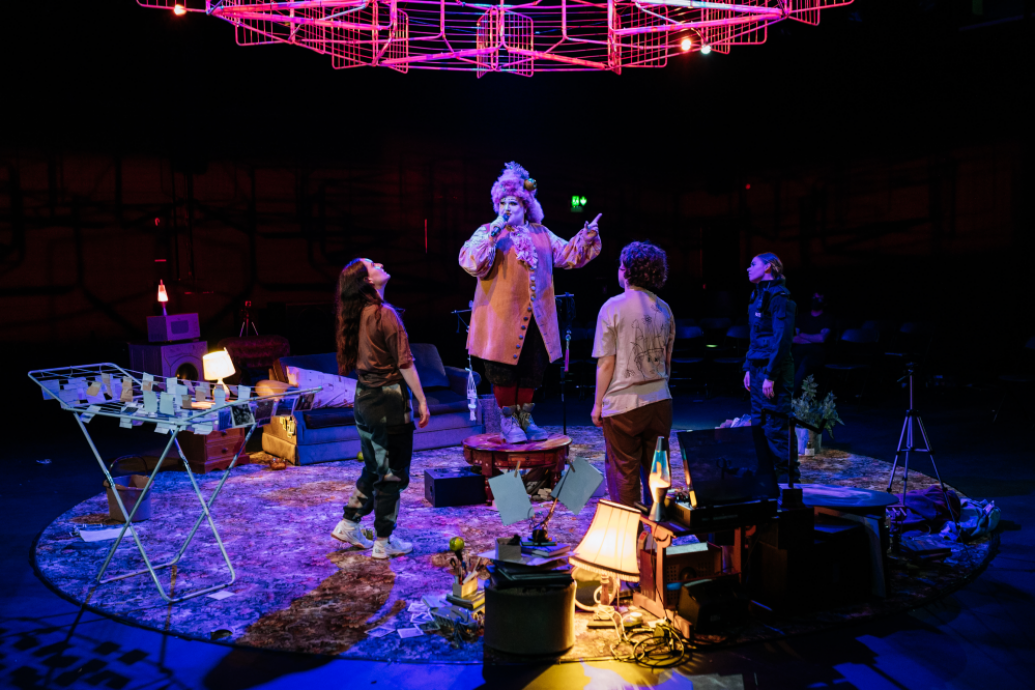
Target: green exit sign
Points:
(578, 203)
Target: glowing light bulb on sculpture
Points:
(660, 479)
(705, 49)
(163, 296)
(686, 44)
(179, 10)
(218, 365)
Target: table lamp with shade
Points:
(218, 365)
(609, 549)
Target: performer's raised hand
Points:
(592, 225)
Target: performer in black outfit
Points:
(812, 330)
(769, 365)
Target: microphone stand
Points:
(567, 303)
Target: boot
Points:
(510, 430)
(533, 432)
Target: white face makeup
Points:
(512, 211)
(376, 273)
(757, 271)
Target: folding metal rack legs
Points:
(206, 514)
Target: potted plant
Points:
(820, 414)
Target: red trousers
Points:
(631, 438)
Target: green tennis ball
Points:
(456, 544)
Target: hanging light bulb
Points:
(179, 10)
(686, 44)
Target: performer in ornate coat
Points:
(514, 317)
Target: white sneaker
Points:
(349, 532)
(393, 546)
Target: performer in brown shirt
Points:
(514, 318)
(372, 340)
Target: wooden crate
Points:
(214, 451)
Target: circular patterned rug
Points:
(298, 589)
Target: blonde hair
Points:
(776, 266)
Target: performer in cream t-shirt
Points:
(633, 345)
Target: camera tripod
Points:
(907, 445)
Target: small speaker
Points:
(712, 605)
(165, 329)
(453, 487)
(182, 360)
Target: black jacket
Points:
(771, 315)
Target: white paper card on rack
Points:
(150, 400)
(126, 423)
(49, 387)
(244, 392)
(167, 403)
(162, 428)
(94, 389)
(512, 500)
(218, 396)
(90, 412)
(78, 386)
(127, 389)
(201, 391)
(202, 429)
(106, 380)
(148, 382)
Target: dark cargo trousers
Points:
(385, 424)
(776, 429)
(631, 438)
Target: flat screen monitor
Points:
(727, 466)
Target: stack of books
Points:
(473, 602)
(536, 565)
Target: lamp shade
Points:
(163, 296)
(609, 547)
(218, 365)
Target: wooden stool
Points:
(494, 455)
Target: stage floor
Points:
(299, 590)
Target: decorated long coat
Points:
(515, 285)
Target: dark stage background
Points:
(885, 155)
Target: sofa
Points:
(328, 434)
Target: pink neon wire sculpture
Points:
(523, 38)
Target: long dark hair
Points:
(353, 295)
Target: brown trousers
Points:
(631, 438)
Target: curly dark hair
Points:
(353, 295)
(646, 265)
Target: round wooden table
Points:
(493, 455)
